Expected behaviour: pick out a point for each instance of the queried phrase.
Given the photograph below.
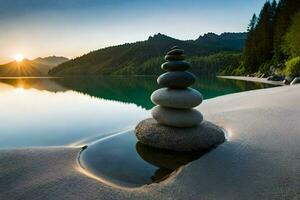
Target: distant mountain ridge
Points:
(36, 67)
(52, 61)
(234, 41)
(145, 57)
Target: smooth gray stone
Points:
(174, 57)
(176, 66)
(177, 98)
(176, 52)
(176, 79)
(175, 47)
(203, 136)
(176, 117)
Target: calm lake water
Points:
(76, 111)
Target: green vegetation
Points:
(291, 45)
(293, 67)
(202, 65)
(273, 38)
(220, 63)
(210, 53)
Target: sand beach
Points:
(259, 160)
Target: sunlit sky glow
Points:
(18, 57)
(74, 27)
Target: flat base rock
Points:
(203, 136)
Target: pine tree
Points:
(274, 8)
(264, 33)
(259, 44)
(249, 53)
(252, 23)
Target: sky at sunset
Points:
(73, 27)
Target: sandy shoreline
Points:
(259, 161)
(252, 79)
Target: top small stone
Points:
(176, 52)
(175, 47)
(174, 57)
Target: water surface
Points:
(122, 160)
(75, 111)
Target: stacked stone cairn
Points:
(176, 100)
(176, 125)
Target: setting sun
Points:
(18, 57)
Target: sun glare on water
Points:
(20, 90)
(18, 57)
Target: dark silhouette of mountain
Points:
(36, 67)
(233, 41)
(144, 57)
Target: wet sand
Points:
(260, 160)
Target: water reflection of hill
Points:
(138, 90)
(130, 89)
(135, 90)
(37, 83)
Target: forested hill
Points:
(145, 57)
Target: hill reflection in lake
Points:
(130, 89)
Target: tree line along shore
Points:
(273, 42)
